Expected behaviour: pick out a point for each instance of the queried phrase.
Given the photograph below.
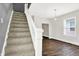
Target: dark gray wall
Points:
(18, 7)
(5, 12)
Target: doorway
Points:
(19, 7)
(45, 27)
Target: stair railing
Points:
(36, 33)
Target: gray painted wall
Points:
(19, 7)
(5, 12)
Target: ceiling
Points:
(46, 10)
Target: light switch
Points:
(1, 20)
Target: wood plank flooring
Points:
(53, 47)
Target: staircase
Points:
(19, 42)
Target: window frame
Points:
(73, 35)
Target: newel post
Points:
(38, 41)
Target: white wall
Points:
(57, 31)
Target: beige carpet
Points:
(19, 42)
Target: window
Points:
(70, 26)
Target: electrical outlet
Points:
(1, 20)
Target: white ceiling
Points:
(46, 10)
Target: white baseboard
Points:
(5, 42)
(71, 42)
(46, 36)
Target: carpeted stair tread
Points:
(18, 41)
(22, 22)
(22, 53)
(21, 14)
(18, 29)
(18, 13)
(18, 25)
(19, 34)
(18, 19)
(19, 48)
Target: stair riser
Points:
(14, 22)
(24, 53)
(18, 13)
(19, 35)
(19, 29)
(19, 47)
(18, 41)
(18, 17)
(11, 50)
(19, 25)
(18, 22)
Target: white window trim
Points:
(75, 26)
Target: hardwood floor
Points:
(53, 47)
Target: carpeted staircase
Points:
(19, 42)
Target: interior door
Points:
(19, 7)
(46, 30)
